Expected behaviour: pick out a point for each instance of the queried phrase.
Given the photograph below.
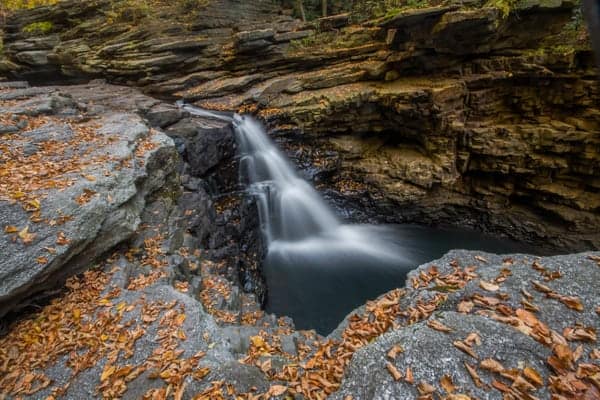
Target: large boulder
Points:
(491, 326)
(74, 184)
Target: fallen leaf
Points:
(108, 371)
(491, 365)
(11, 229)
(394, 351)
(474, 375)
(397, 375)
(42, 260)
(447, 384)
(523, 385)
(277, 390)
(490, 287)
(438, 326)
(473, 338)
(464, 347)
(425, 388)
(409, 376)
(480, 258)
(465, 307)
(572, 302)
(25, 236)
(533, 376)
(583, 334)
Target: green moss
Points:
(39, 28)
(505, 6)
(12, 5)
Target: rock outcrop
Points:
(517, 311)
(85, 167)
(75, 183)
(447, 114)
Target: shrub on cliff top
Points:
(11, 5)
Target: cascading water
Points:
(317, 268)
(293, 215)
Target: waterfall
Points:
(290, 208)
(317, 268)
(294, 218)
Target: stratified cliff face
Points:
(442, 114)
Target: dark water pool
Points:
(319, 282)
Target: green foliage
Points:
(12, 5)
(38, 28)
(367, 9)
(505, 6)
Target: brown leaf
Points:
(533, 376)
(527, 317)
(473, 338)
(409, 376)
(11, 229)
(25, 236)
(573, 302)
(584, 334)
(394, 351)
(501, 386)
(277, 390)
(438, 326)
(480, 258)
(474, 375)
(491, 365)
(541, 288)
(42, 260)
(107, 372)
(447, 384)
(522, 384)
(465, 307)
(490, 287)
(464, 347)
(397, 375)
(425, 388)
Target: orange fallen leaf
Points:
(482, 259)
(533, 376)
(409, 376)
(491, 365)
(438, 326)
(25, 236)
(490, 287)
(465, 348)
(465, 307)
(474, 375)
(11, 229)
(277, 390)
(473, 338)
(447, 384)
(42, 260)
(397, 375)
(572, 302)
(425, 388)
(394, 351)
(108, 371)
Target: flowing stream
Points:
(317, 268)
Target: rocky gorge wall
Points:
(446, 114)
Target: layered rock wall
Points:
(447, 114)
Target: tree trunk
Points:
(300, 7)
(324, 5)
